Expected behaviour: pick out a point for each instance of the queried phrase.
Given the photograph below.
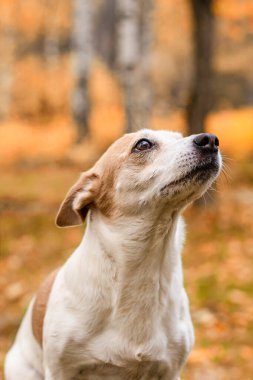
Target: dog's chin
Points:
(193, 184)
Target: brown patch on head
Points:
(40, 306)
(109, 166)
(96, 187)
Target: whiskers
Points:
(210, 196)
(226, 169)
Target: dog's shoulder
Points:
(40, 305)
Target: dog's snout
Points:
(206, 142)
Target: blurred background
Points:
(77, 74)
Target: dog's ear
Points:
(75, 206)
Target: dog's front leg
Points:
(49, 375)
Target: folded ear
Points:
(75, 206)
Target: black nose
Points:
(206, 142)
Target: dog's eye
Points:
(143, 144)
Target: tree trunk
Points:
(6, 74)
(82, 48)
(145, 93)
(105, 32)
(8, 54)
(133, 47)
(200, 98)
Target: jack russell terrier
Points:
(117, 309)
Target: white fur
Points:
(119, 299)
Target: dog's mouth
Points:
(200, 174)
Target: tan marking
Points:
(109, 166)
(96, 186)
(40, 306)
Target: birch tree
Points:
(82, 49)
(133, 47)
(8, 50)
(6, 74)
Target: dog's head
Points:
(144, 170)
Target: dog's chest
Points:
(134, 371)
(117, 358)
(130, 343)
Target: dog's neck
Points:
(133, 242)
(143, 254)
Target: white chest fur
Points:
(121, 319)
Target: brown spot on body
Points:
(40, 306)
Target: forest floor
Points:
(218, 262)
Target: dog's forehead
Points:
(162, 135)
(115, 154)
(121, 148)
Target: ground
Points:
(217, 262)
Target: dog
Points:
(117, 309)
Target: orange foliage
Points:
(7, 14)
(40, 91)
(22, 140)
(33, 18)
(173, 122)
(235, 130)
(234, 9)
(30, 17)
